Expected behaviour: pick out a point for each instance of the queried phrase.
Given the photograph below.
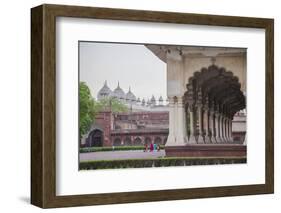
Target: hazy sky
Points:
(130, 64)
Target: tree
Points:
(87, 110)
(111, 104)
(88, 107)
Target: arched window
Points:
(157, 140)
(128, 141)
(95, 138)
(117, 142)
(147, 140)
(137, 141)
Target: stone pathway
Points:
(116, 155)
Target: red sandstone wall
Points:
(103, 119)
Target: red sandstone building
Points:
(133, 128)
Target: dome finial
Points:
(118, 86)
(130, 96)
(118, 92)
(105, 83)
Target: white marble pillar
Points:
(181, 135)
(226, 129)
(175, 90)
(212, 126)
(230, 130)
(200, 138)
(207, 124)
(218, 132)
(222, 129)
(192, 139)
(215, 127)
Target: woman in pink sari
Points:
(151, 147)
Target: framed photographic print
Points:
(137, 106)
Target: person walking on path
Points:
(158, 147)
(145, 148)
(154, 147)
(151, 147)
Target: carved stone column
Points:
(175, 90)
(206, 123)
(218, 131)
(222, 128)
(212, 126)
(215, 127)
(200, 138)
(192, 139)
(199, 105)
(181, 136)
(230, 130)
(225, 129)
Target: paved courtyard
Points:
(115, 155)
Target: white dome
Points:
(119, 93)
(104, 92)
(130, 96)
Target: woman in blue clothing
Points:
(155, 147)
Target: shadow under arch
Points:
(95, 138)
(216, 90)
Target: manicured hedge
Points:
(116, 148)
(159, 162)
